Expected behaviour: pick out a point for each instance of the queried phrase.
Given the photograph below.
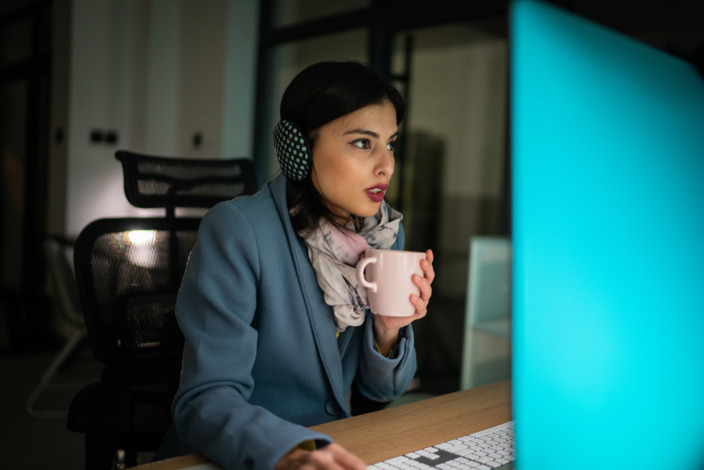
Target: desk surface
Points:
(398, 430)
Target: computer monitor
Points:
(608, 248)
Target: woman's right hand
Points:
(332, 456)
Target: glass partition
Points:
(454, 174)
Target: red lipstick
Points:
(376, 193)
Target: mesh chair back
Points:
(152, 181)
(129, 271)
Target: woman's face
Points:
(353, 160)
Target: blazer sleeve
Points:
(215, 309)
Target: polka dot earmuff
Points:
(292, 150)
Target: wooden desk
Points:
(398, 430)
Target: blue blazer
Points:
(261, 359)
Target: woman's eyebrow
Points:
(363, 131)
(369, 133)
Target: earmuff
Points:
(292, 150)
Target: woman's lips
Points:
(376, 192)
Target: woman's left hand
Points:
(386, 328)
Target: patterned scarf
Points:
(334, 255)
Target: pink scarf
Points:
(334, 255)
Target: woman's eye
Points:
(391, 145)
(361, 143)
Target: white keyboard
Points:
(490, 449)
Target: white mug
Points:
(387, 276)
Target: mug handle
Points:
(360, 273)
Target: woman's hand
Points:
(332, 456)
(386, 328)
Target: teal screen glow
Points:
(608, 246)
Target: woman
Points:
(276, 327)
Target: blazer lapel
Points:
(319, 313)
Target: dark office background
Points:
(35, 38)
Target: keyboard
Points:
(489, 449)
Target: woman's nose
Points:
(386, 163)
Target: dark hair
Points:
(318, 95)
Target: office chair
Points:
(488, 312)
(129, 271)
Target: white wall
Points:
(156, 72)
(99, 88)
